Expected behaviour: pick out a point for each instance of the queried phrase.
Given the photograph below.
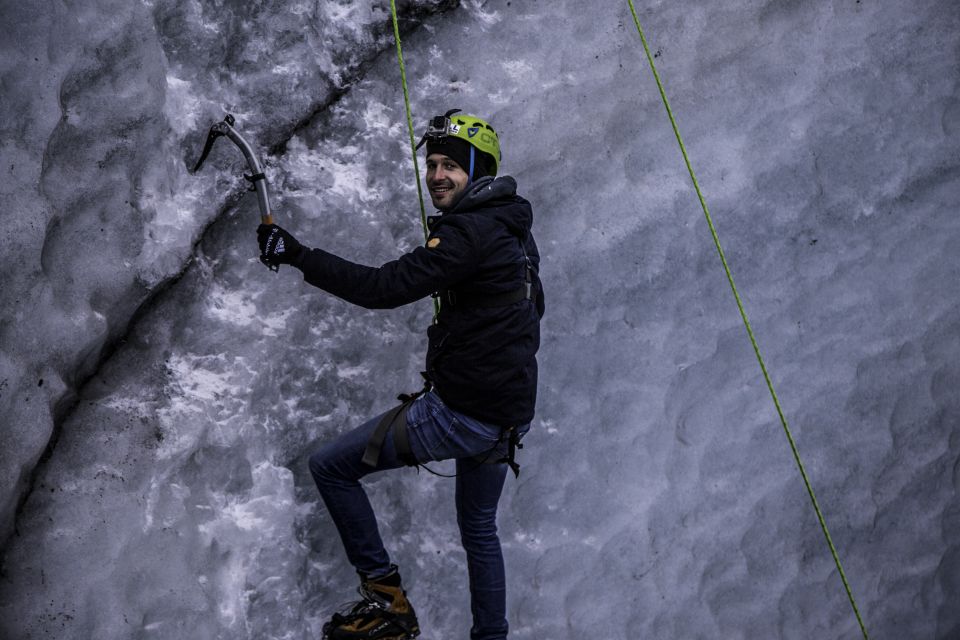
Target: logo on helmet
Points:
(472, 131)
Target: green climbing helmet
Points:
(471, 129)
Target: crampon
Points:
(384, 613)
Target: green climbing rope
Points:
(413, 144)
(746, 322)
(406, 104)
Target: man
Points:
(482, 262)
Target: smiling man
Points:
(481, 260)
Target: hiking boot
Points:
(384, 613)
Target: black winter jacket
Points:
(482, 360)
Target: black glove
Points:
(278, 247)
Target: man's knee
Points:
(321, 465)
(337, 463)
(478, 528)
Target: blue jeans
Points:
(436, 432)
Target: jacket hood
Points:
(497, 197)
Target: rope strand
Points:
(413, 144)
(746, 323)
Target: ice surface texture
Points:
(658, 498)
(105, 107)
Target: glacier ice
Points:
(659, 498)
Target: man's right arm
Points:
(449, 257)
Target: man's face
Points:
(446, 180)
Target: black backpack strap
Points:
(462, 299)
(468, 300)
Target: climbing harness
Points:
(746, 322)
(513, 443)
(395, 420)
(256, 177)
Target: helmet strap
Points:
(473, 156)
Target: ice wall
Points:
(658, 498)
(105, 105)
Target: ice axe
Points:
(256, 178)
